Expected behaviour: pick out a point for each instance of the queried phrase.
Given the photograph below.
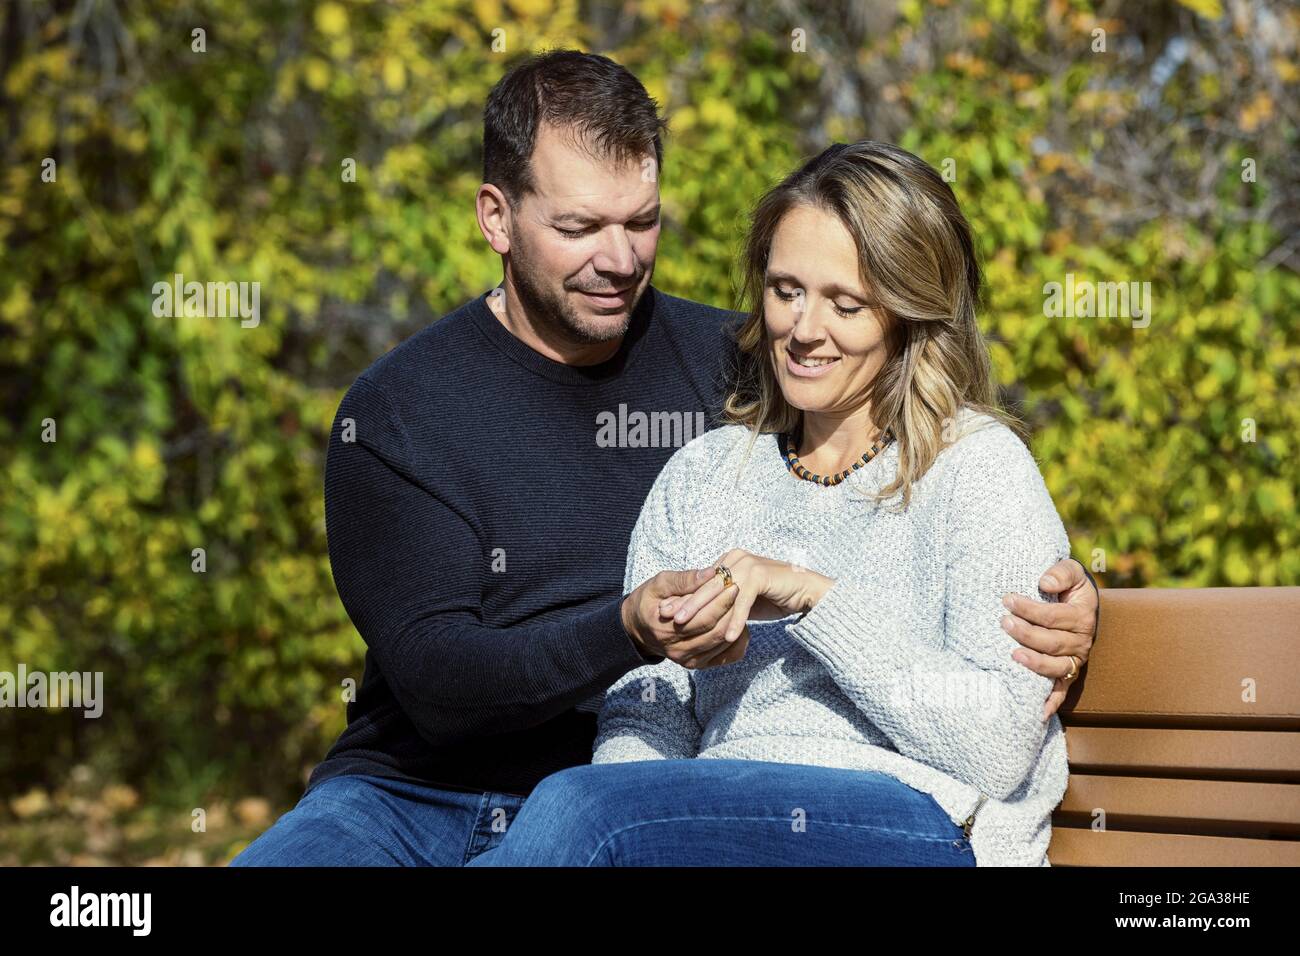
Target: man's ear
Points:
(494, 214)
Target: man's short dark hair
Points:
(586, 94)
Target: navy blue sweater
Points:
(479, 498)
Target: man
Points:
(479, 503)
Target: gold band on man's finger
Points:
(726, 575)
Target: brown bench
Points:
(1171, 761)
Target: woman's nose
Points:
(808, 319)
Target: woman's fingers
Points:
(704, 631)
(740, 613)
(702, 649)
(726, 653)
(703, 595)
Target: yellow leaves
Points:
(1210, 9)
(684, 118)
(135, 141)
(1257, 112)
(286, 83)
(394, 74)
(1276, 498)
(488, 12)
(1051, 162)
(1207, 387)
(406, 163)
(118, 797)
(24, 75)
(331, 19)
(39, 132)
(31, 804)
(17, 305)
(147, 471)
(145, 457)
(1237, 570)
(657, 88)
(963, 62)
(531, 8)
(718, 112)
(316, 72)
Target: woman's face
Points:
(816, 309)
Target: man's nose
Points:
(615, 255)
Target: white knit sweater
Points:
(902, 667)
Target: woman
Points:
(862, 514)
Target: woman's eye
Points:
(782, 294)
(847, 311)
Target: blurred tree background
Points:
(1118, 142)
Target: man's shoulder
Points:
(419, 356)
(692, 320)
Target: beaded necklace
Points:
(792, 460)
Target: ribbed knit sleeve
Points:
(407, 562)
(649, 713)
(943, 687)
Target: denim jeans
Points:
(362, 820)
(714, 812)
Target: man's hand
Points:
(698, 642)
(1050, 633)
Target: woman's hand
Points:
(767, 590)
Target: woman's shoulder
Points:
(993, 487)
(979, 448)
(708, 451)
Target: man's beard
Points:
(552, 309)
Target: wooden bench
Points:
(1172, 763)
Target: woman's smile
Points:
(809, 366)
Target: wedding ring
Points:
(726, 575)
(1074, 668)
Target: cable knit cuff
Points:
(843, 631)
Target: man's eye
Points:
(648, 224)
(571, 233)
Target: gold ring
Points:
(1074, 668)
(726, 575)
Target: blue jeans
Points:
(712, 812)
(362, 820)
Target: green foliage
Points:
(183, 433)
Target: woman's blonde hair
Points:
(917, 260)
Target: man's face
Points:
(582, 244)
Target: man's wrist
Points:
(630, 631)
